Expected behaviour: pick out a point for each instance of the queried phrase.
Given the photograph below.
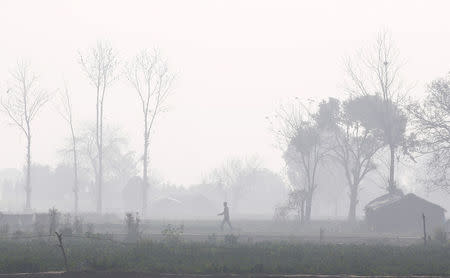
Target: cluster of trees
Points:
(248, 187)
(98, 147)
(377, 124)
(237, 180)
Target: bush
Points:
(172, 234)
(132, 225)
(90, 229)
(212, 239)
(231, 240)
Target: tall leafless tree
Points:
(22, 103)
(100, 65)
(67, 115)
(377, 73)
(149, 76)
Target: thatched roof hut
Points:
(400, 213)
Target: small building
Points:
(398, 213)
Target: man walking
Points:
(226, 216)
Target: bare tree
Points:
(100, 66)
(432, 121)
(296, 201)
(119, 164)
(67, 115)
(377, 73)
(149, 76)
(235, 177)
(353, 145)
(22, 103)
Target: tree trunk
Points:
(302, 212)
(145, 173)
(28, 178)
(100, 180)
(353, 203)
(75, 174)
(391, 181)
(76, 201)
(308, 205)
(100, 156)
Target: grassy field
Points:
(173, 255)
(257, 246)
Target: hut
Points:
(398, 213)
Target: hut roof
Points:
(383, 200)
(389, 199)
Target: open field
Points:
(174, 255)
(337, 232)
(333, 231)
(257, 247)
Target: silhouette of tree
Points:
(432, 122)
(376, 75)
(305, 148)
(67, 115)
(353, 144)
(22, 103)
(100, 66)
(149, 76)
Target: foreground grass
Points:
(196, 257)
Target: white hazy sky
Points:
(234, 61)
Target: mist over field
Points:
(225, 123)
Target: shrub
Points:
(172, 234)
(132, 226)
(90, 229)
(231, 240)
(212, 239)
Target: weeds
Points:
(173, 234)
(204, 257)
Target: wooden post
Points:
(424, 230)
(60, 245)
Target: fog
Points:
(231, 65)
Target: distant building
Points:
(400, 213)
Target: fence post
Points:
(424, 230)
(60, 245)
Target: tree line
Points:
(377, 124)
(374, 128)
(147, 74)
